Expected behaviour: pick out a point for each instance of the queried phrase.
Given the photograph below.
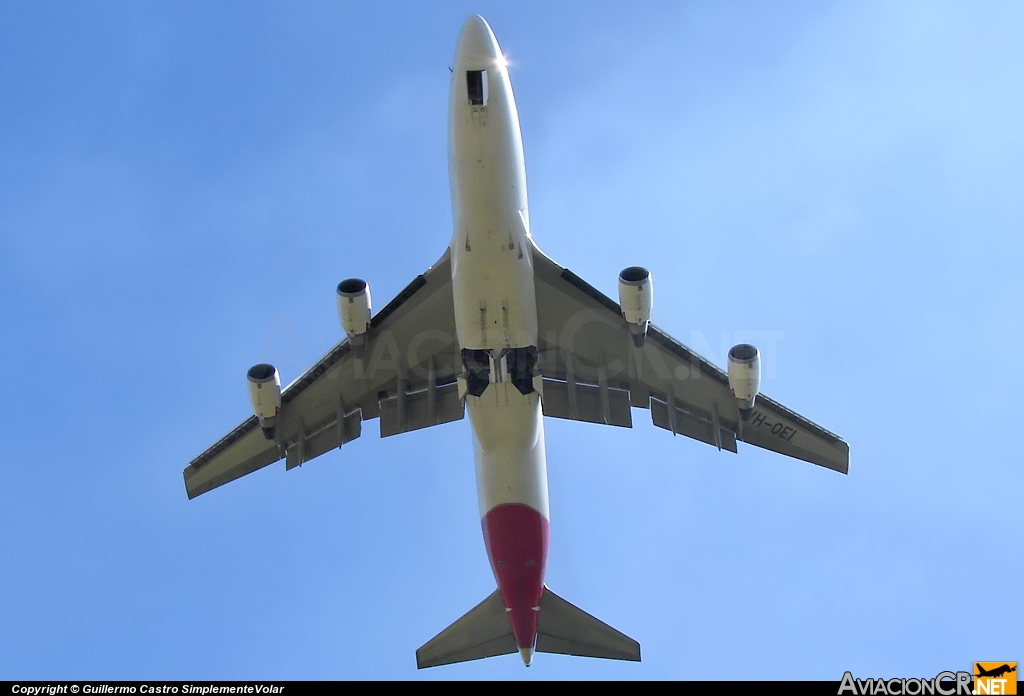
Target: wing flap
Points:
(421, 409)
(308, 445)
(691, 425)
(586, 402)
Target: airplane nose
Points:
(477, 49)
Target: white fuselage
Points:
(492, 271)
(496, 307)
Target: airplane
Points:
(498, 329)
(996, 671)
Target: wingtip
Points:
(190, 491)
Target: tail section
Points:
(564, 629)
(483, 631)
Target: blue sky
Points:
(182, 185)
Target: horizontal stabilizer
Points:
(484, 631)
(568, 630)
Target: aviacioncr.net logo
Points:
(943, 684)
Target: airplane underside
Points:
(497, 329)
(496, 323)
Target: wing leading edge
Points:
(405, 375)
(593, 372)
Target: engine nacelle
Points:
(354, 306)
(745, 376)
(265, 395)
(636, 298)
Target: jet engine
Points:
(354, 306)
(745, 376)
(265, 395)
(636, 298)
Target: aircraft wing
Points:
(404, 374)
(592, 372)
